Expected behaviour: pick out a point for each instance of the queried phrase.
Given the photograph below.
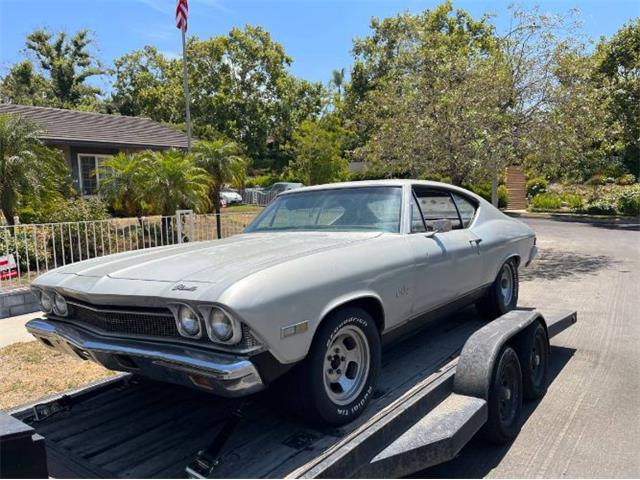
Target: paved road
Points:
(588, 424)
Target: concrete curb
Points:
(17, 302)
(575, 217)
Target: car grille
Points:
(125, 322)
(157, 322)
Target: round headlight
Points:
(46, 302)
(220, 325)
(188, 322)
(60, 305)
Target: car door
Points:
(448, 263)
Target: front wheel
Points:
(335, 382)
(502, 296)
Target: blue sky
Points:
(317, 34)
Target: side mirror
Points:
(439, 226)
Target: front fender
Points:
(351, 297)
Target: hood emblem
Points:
(183, 288)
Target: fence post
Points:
(180, 230)
(179, 225)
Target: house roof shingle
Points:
(70, 126)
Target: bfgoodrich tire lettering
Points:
(335, 382)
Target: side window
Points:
(466, 208)
(417, 222)
(437, 205)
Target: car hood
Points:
(214, 261)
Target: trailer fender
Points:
(479, 353)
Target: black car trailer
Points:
(436, 390)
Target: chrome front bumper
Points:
(223, 374)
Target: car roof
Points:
(398, 182)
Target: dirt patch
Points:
(29, 371)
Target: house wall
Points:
(71, 153)
(73, 158)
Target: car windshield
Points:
(340, 209)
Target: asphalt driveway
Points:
(588, 424)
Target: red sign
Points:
(8, 267)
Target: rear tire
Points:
(505, 399)
(502, 296)
(336, 381)
(533, 347)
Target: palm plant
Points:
(173, 181)
(123, 183)
(224, 162)
(337, 79)
(26, 165)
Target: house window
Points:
(88, 174)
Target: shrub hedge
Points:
(629, 203)
(536, 186)
(608, 199)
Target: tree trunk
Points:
(494, 189)
(494, 181)
(7, 205)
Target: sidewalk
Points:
(575, 217)
(12, 329)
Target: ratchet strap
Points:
(209, 458)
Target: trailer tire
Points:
(533, 347)
(505, 399)
(502, 296)
(346, 344)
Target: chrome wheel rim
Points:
(506, 284)
(346, 365)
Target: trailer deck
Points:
(136, 428)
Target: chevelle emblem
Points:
(403, 291)
(183, 288)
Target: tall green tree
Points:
(425, 94)
(619, 68)
(240, 87)
(148, 84)
(27, 167)
(59, 77)
(337, 80)
(442, 93)
(23, 85)
(317, 153)
(223, 161)
(571, 139)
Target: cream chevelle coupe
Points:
(318, 281)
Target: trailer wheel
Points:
(534, 352)
(505, 399)
(502, 296)
(335, 382)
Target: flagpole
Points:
(186, 87)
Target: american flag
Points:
(182, 9)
